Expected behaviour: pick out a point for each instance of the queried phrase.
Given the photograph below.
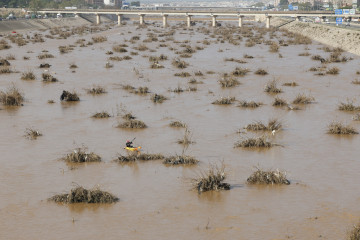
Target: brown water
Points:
(156, 201)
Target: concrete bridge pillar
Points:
(188, 20)
(268, 21)
(240, 21)
(120, 17)
(213, 20)
(97, 18)
(142, 19)
(165, 22)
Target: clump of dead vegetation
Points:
(261, 71)
(182, 74)
(99, 39)
(138, 157)
(271, 87)
(240, 72)
(290, 84)
(82, 195)
(333, 71)
(180, 159)
(268, 177)
(179, 63)
(47, 77)
(157, 98)
(81, 155)
(102, 114)
(12, 96)
(45, 55)
(340, 128)
(356, 81)
(302, 98)
(249, 104)
(132, 124)
(177, 124)
(348, 106)
(156, 65)
(212, 180)
(228, 81)
(224, 101)
(29, 75)
(96, 90)
(279, 102)
(69, 96)
(254, 142)
(186, 139)
(356, 117)
(354, 234)
(32, 133)
(273, 124)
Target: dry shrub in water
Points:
(261, 71)
(179, 63)
(301, 98)
(271, 87)
(132, 124)
(356, 81)
(279, 102)
(224, 101)
(32, 133)
(228, 81)
(349, 106)
(251, 104)
(354, 234)
(45, 55)
(4, 62)
(256, 142)
(186, 140)
(274, 47)
(356, 117)
(273, 124)
(5, 70)
(157, 98)
(182, 74)
(69, 97)
(12, 96)
(239, 72)
(29, 75)
(290, 84)
(81, 155)
(268, 177)
(138, 156)
(102, 114)
(177, 124)
(156, 65)
(212, 180)
(142, 90)
(47, 77)
(333, 71)
(180, 159)
(82, 195)
(340, 128)
(96, 90)
(99, 39)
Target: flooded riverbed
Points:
(157, 201)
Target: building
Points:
(95, 2)
(113, 3)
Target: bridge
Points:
(189, 14)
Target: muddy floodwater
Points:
(158, 201)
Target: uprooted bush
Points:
(82, 195)
(81, 155)
(12, 96)
(354, 234)
(348, 106)
(177, 124)
(180, 159)
(212, 180)
(254, 142)
(268, 177)
(29, 75)
(96, 90)
(279, 102)
(47, 77)
(32, 133)
(228, 81)
(239, 72)
(340, 128)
